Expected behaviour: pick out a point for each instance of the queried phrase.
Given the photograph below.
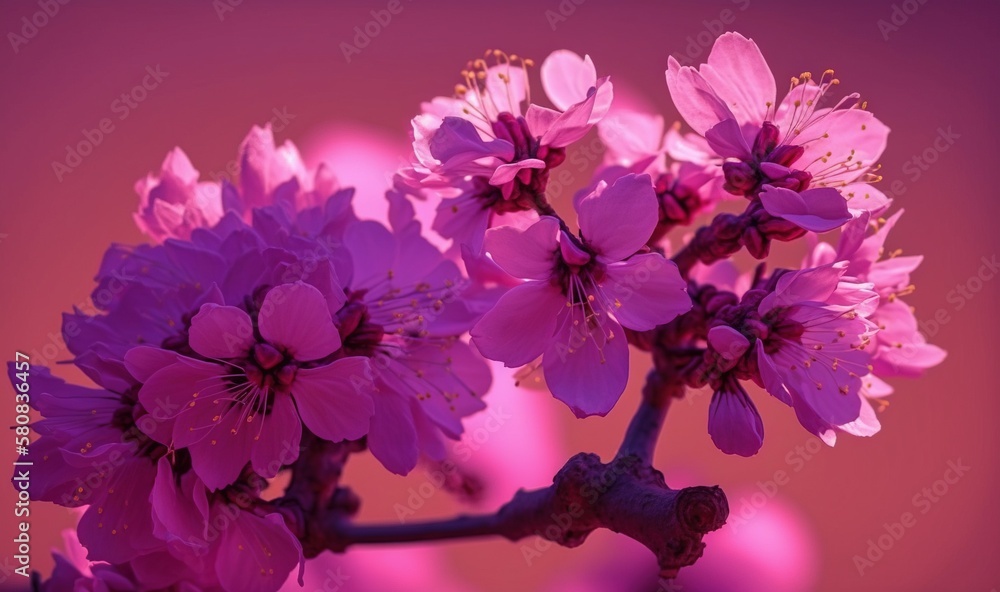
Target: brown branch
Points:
(627, 496)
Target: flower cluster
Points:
(267, 325)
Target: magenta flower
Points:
(814, 346)
(263, 382)
(224, 533)
(900, 347)
(488, 155)
(804, 163)
(406, 312)
(174, 203)
(580, 292)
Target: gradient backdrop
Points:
(930, 74)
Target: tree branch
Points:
(627, 496)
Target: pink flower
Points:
(804, 163)
(486, 153)
(174, 203)
(272, 174)
(900, 348)
(814, 346)
(580, 292)
(406, 312)
(224, 533)
(263, 381)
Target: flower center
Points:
(267, 368)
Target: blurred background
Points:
(333, 79)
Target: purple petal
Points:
(393, 436)
(728, 342)
(697, 102)
(277, 437)
(519, 328)
(618, 220)
(733, 422)
(296, 317)
(256, 554)
(334, 400)
(741, 77)
(221, 332)
(587, 367)
(528, 253)
(818, 210)
(647, 290)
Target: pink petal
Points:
(727, 140)
(221, 332)
(506, 92)
(256, 554)
(851, 136)
(334, 400)
(277, 437)
(867, 423)
(519, 328)
(728, 342)
(647, 290)
(167, 394)
(526, 253)
(818, 210)
(458, 142)
(372, 248)
(573, 124)
(694, 97)
(296, 317)
(393, 436)
(143, 361)
(740, 77)
(630, 136)
(617, 221)
(506, 173)
(734, 424)
(567, 77)
(587, 368)
(769, 376)
(220, 455)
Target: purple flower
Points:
(805, 163)
(580, 292)
(247, 399)
(485, 154)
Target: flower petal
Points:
(528, 253)
(296, 317)
(255, 554)
(616, 221)
(694, 97)
(519, 328)
(334, 400)
(648, 291)
(587, 367)
(818, 210)
(221, 332)
(277, 438)
(733, 422)
(740, 77)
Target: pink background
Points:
(937, 71)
